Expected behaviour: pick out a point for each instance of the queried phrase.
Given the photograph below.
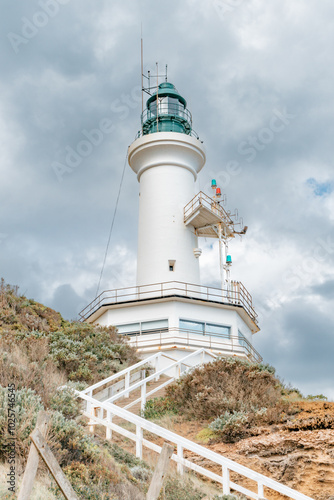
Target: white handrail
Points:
(122, 373)
(137, 385)
(183, 443)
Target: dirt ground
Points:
(299, 455)
(301, 458)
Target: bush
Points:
(180, 490)
(65, 401)
(89, 353)
(27, 406)
(232, 420)
(317, 397)
(141, 473)
(158, 407)
(25, 362)
(124, 457)
(226, 385)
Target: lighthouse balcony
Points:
(235, 297)
(180, 340)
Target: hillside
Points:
(243, 411)
(236, 408)
(39, 352)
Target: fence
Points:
(103, 413)
(238, 296)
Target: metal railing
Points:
(203, 200)
(103, 413)
(171, 337)
(238, 296)
(167, 109)
(191, 132)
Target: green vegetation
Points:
(236, 395)
(39, 352)
(157, 408)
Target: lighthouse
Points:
(169, 308)
(167, 159)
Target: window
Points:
(143, 327)
(217, 330)
(193, 326)
(154, 326)
(129, 329)
(242, 339)
(171, 265)
(205, 328)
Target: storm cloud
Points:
(258, 78)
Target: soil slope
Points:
(300, 454)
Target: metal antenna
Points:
(166, 72)
(157, 97)
(142, 76)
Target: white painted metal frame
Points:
(107, 410)
(182, 444)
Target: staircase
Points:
(123, 396)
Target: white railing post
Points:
(260, 490)
(177, 371)
(139, 442)
(156, 365)
(226, 481)
(180, 467)
(91, 423)
(143, 397)
(89, 404)
(127, 383)
(108, 430)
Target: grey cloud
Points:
(234, 72)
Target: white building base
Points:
(176, 320)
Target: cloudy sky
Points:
(258, 77)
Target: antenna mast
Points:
(142, 74)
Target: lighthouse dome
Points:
(166, 111)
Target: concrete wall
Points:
(174, 310)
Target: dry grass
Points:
(41, 486)
(28, 365)
(225, 385)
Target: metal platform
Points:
(204, 213)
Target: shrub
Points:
(141, 473)
(229, 421)
(180, 490)
(27, 406)
(158, 407)
(25, 361)
(89, 353)
(70, 442)
(317, 397)
(226, 385)
(124, 457)
(65, 401)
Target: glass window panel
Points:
(159, 324)
(153, 108)
(194, 326)
(173, 106)
(217, 330)
(129, 328)
(242, 339)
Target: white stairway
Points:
(103, 408)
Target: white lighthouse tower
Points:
(166, 160)
(169, 308)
